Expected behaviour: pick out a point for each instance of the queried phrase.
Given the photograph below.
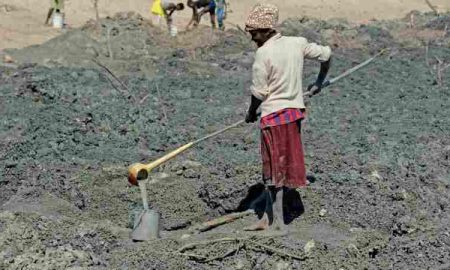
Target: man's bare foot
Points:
(279, 226)
(262, 224)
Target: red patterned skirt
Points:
(282, 155)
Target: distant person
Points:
(199, 8)
(56, 6)
(277, 89)
(221, 13)
(157, 10)
(169, 8)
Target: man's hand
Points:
(314, 88)
(251, 117)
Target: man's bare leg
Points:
(264, 222)
(213, 21)
(278, 215)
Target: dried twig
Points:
(220, 240)
(440, 68)
(277, 251)
(97, 17)
(206, 226)
(126, 91)
(108, 41)
(242, 242)
(427, 58)
(412, 22)
(163, 107)
(433, 8)
(226, 254)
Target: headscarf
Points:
(263, 16)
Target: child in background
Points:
(169, 8)
(199, 8)
(221, 13)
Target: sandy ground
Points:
(21, 22)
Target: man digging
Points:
(277, 89)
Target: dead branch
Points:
(108, 41)
(163, 107)
(277, 251)
(97, 17)
(412, 22)
(433, 8)
(242, 243)
(427, 58)
(206, 226)
(125, 90)
(220, 240)
(226, 254)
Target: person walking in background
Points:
(277, 88)
(56, 6)
(199, 8)
(221, 13)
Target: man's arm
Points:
(194, 18)
(316, 87)
(259, 88)
(251, 113)
(323, 54)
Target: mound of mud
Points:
(377, 142)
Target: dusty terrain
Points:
(21, 22)
(377, 142)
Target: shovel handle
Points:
(143, 188)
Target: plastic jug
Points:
(58, 20)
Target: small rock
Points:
(239, 264)
(161, 176)
(185, 236)
(249, 139)
(309, 246)
(322, 212)
(356, 230)
(283, 266)
(190, 173)
(189, 164)
(376, 176)
(8, 59)
(179, 172)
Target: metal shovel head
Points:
(146, 226)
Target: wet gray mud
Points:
(377, 143)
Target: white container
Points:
(173, 31)
(58, 20)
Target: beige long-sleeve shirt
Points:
(278, 71)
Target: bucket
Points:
(173, 31)
(58, 21)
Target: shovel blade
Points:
(146, 226)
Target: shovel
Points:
(146, 224)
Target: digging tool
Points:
(350, 71)
(138, 171)
(147, 224)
